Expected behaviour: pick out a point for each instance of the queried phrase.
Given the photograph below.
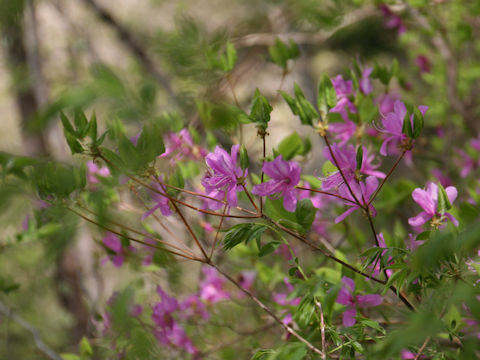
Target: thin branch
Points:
(187, 225)
(324, 252)
(269, 311)
(218, 232)
(32, 330)
(131, 238)
(425, 343)
(327, 142)
(326, 193)
(387, 176)
(319, 309)
(126, 38)
(125, 227)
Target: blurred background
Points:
(134, 60)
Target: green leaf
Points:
(73, 144)
(57, 179)
(260, 111)
(243, 155)
(300, 106)
(280, 52)
(66, 124)
(229, 59)
(269, 248)
(359, 157)
(243, 233)
(290, 146)
(92, 127)
(423, 236)
(305, 214)
(150, 143)
(327, 97)
(443, 201)
(85, 348)
(81, 123)
(418, 123)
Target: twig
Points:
(425, 343)
(386, 177)
(269, 311)
(32, 330)
(322, 326)
(133, 45)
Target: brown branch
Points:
(126, 38)
(386, 177)
(265, 308)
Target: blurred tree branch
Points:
(125, 36)
(5, 310)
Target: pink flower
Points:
(346, 297)
(346, 160)
(281, 298)
(392, 20)
(192, 306)
(365, 82)
(428, 200)
(162, 202)
(284, 176)
(376, 266)
(343, 89)
(343, 131)
(423, 63)
(180, 146)
(393, 124)
(363, 191)
(211, 287)
(224, 178)
(94, 171)
(113, 243)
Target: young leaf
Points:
(417, 123)
(443, 201)
(359, 157)
(243, 155)
(260, 111)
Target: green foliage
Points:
(243, 233)
(260, 111)
(281, 52)
(300, 106)
(58, 180)
(327, 97)
(291, 146)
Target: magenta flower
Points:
(363, 191)
(192, 307)
(393, 124)
(284, 176)
(343, 131)
(162, 203)
(281, 298)
(428, 200)
(376, 266)
(168, 331)
(386, 102)
(392, 20)
(212, 286)
(224, 178)
(346, 160)
(114, 244)
(346, 297)
(343, 89)
(180, 146)
(423, 63)
(365, 82)
(94, 171)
